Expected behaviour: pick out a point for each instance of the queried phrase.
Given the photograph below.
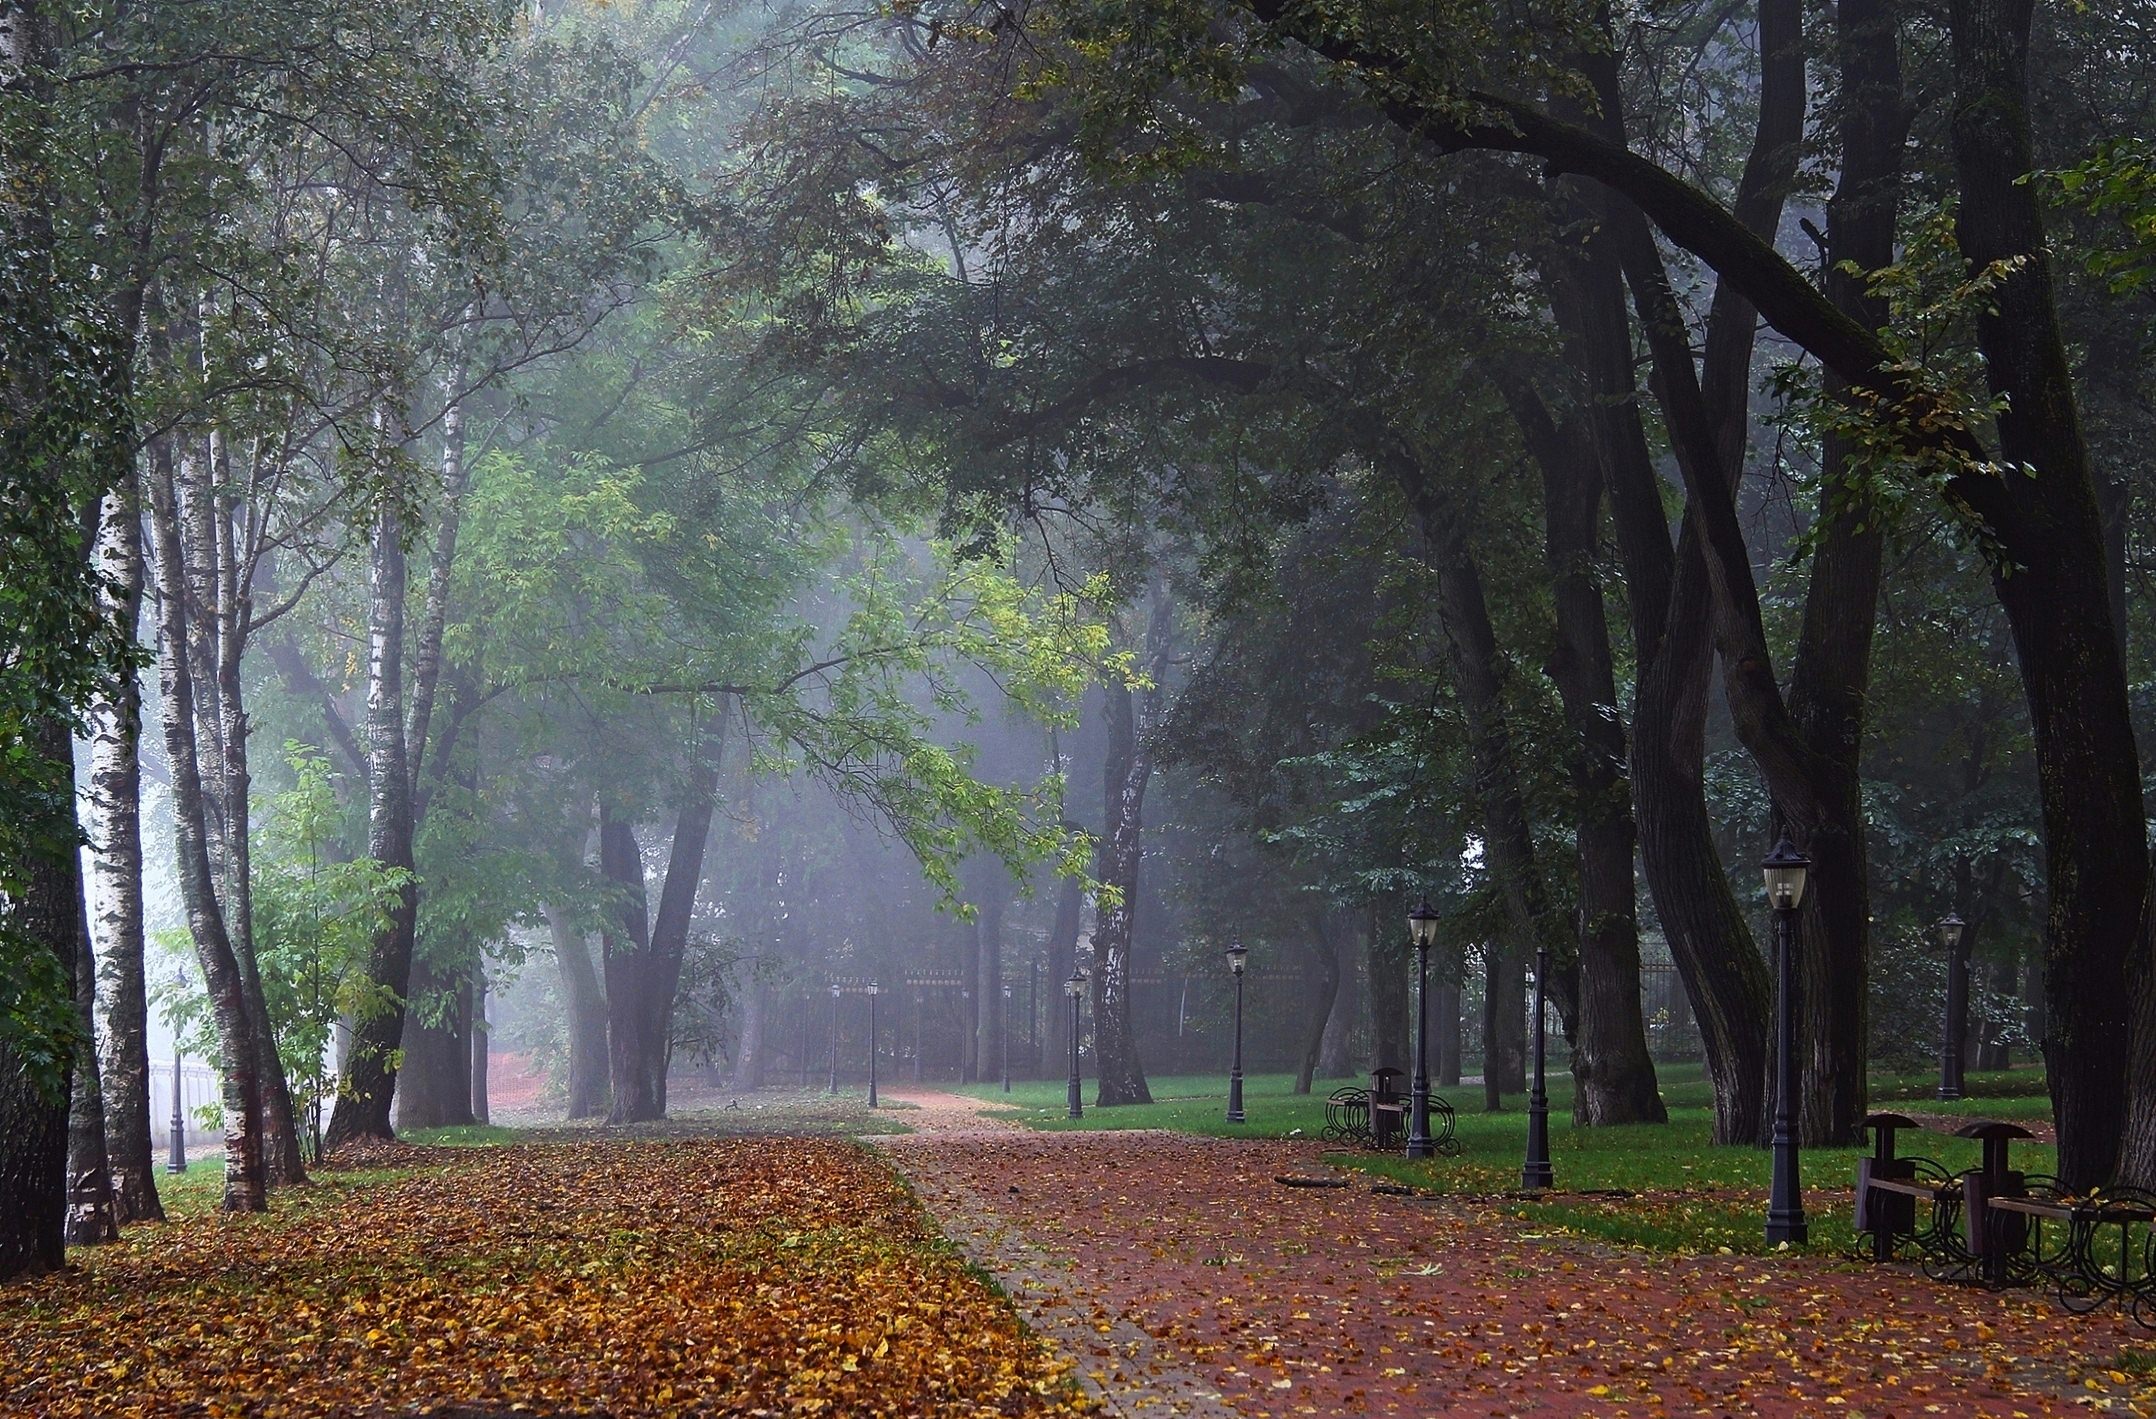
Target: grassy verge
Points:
(1685, 1193)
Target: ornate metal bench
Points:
(1351, 1116)
(1995, 1227)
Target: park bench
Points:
(1376, 1117)
(1996, 1227)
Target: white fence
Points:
(198, 1086)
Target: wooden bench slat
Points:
(2032, 1207)
(1912, 1189)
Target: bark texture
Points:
(115, 881)
(1128, 768)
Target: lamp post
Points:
(1537, 1173)
(833, 1089)
(176, 1159)
(1784, 870)
(1952, 930)
(1003, 1036)
(874, 990)
(1422, 930)
(1075, 989)
(1237, 954)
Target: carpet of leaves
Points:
(699, 1276)
(1336, 1301)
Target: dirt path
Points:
(1181, 1273)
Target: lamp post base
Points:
(1235, 1099)
(1794, 1231)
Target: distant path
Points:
(1186, 1280)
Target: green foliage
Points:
(2116, 181)
(315, 918)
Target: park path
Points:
(1186, 1280)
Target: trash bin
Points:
(1388, 1108)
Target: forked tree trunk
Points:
(115, 882)
(1325, 955)
(644, 955)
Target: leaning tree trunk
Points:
(368, 1078)
(239, 1052)
(585, 998)
(1667, 593)
(1613, 1073)
(115, 882)
(2094, 824)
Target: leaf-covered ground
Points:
(688, 1276)
(1338, 1301)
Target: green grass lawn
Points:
(1690, 1195)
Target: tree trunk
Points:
(1504, 1026)
(368, 1075)
(1132, 716)
(1613, 1073)
(1326, 954)
(1666, 590)
(643, 961)
(1390, 993)
(586, 1012)
(115, 885)
(481, 1037)
(1992, 1052)
(990, 891)
(1446, 1043)
(434, 1081)
(748, 1072)
(33, 1108)
(239, 1051)
(91, 1211)
(1336, 1059)
(1062, 960)
(2058, 600)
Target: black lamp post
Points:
(1537, 1172)
(1075, 989)
(1003, 1036)
(874, 990)
(834, 1039)
(1785, 869)
(1422, 930)
(1237, 953)
(176, 1159)
(1952, 931)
